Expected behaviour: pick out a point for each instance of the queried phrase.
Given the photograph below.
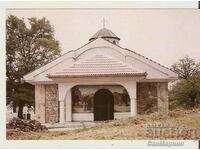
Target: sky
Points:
(163, 35)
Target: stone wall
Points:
(51, 103)
(46, 103)
(162, 90)
(146, 98)
(151, 97)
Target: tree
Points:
(26, 49)
(186, 67)
(186, 92)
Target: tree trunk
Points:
(193, 101)
(20, 111)
(14, 108)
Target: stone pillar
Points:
(64, 90)
(147, 97)
(162, 94)
(40, 103)
(51, 103)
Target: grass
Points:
(176, 124)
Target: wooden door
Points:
(103, 105)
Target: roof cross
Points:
(104, 22)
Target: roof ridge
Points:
(58, 58)
(141, 56)
(147, 58)
(48, 62)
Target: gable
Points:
(99, 65)
(154, 70)
(101, 46)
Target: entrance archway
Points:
(103, 105)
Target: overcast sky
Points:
(163, 35)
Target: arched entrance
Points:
(103, 105)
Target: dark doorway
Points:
(103, 105)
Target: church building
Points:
(99, 81)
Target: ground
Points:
(177, 124)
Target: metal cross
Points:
(104, 22)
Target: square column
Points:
(133, 99)
(62, 112)
(40, 102)
(68, 106)
(133, 107)
(61, 93)
(131, 88)
(162, 96)
(64, 90)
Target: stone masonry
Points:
(151, 97)
(46, 103)
(146, 98)
(51, 103)
(162, 91)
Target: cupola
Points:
(107, 35)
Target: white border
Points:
(64, 5)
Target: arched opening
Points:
(85, 102)
(103, 105)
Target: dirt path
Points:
(177, 124)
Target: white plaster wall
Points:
(99, 43)
(65, 101)
(122, 115)
(90, 116)
(107, 51)
(66, 84)
(152, 71)
(82, 116)
(40, 103)
(42, 70)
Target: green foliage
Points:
(186, 92)
(28, 45)
(24, 94)
(186, 67)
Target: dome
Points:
(104, 33)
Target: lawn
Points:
(177, 124)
